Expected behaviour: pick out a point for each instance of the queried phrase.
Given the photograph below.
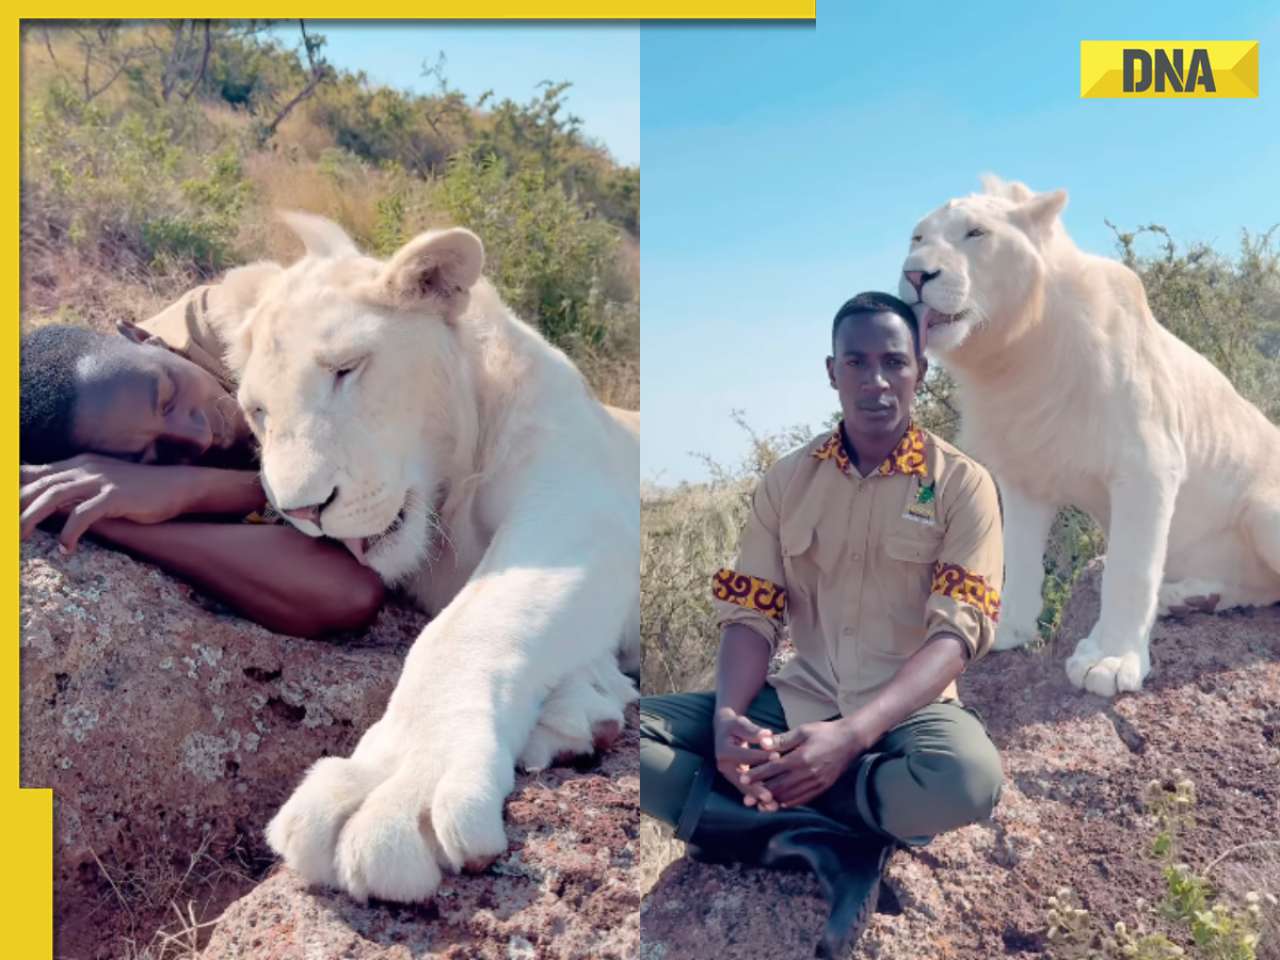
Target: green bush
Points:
(108, 181)
(382, 125)
(547, 257)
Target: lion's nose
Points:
(311, 512)
(918, 278)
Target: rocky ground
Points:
(1072, 812)
(170, 731)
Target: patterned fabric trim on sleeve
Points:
(954, 581)
(750, 592)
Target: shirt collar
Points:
(907, 458)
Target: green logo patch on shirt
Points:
(922, 506)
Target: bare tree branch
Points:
(204, 62)
(320, 72)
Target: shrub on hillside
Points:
(547, 257)
(106, 180)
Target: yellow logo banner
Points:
(1168, 68)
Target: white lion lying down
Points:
(1072, 393)
(404, 410)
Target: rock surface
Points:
(171, 731)
(1072, 813)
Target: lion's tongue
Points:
(356, 546)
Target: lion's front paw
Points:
(387, 829)
(466, 816)
(305, 830)
(1106, 674)
(384, 849)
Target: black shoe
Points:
(848, 867)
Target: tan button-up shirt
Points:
(864, 570)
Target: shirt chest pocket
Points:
(809, 554)
(906, 576)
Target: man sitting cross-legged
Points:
(879, 547)
(123, 435)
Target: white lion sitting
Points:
(402, 409)
(1073, 394)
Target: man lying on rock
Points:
(878, 548)
(128, 436)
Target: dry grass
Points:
(141, 910)
(685, 538)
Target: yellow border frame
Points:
(27, 890)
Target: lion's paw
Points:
(385, 848)
(584, 713)
(1106, 675)
(466, 816)
(305, 830)
(1181, 597)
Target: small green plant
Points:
(1191, 906)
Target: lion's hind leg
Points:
(1193, 595)
(1263, 523)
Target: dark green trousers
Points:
(935, 771)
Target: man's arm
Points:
(90, 488)
(750, 601)
(741, 666)
(274, 575)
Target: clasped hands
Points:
(779, 770)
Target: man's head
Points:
(126, 396)
(876, 363)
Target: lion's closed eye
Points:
(343, 371)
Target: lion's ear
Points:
(1039, 213)
(1013, 190)
(433, 269)
(321, 237)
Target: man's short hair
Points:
(47, 397)
(872, 302)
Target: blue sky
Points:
(786, 165)
(602, 61)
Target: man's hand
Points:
(740, 746)
(88, 488)
(813, 756)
